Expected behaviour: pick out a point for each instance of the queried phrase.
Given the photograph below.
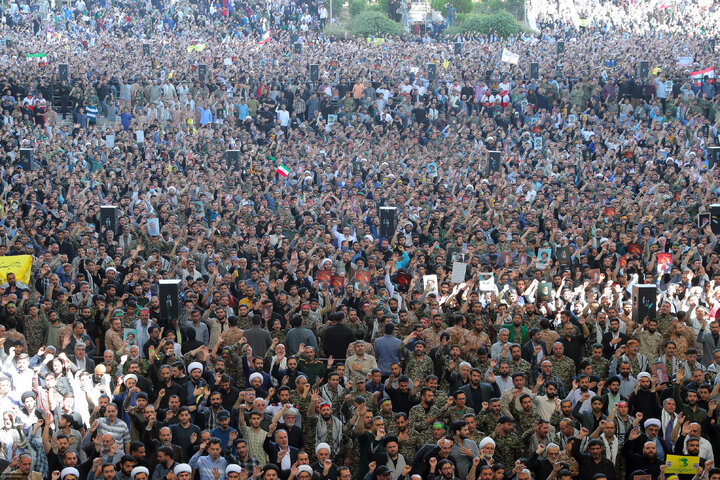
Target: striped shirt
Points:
(255, 442)
(119, 431)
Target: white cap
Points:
(69, 471)
(182, 468)
(195, 365)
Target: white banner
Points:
(509, 57)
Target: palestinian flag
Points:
(283, 170)
(265, 37)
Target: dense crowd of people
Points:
(487, 333)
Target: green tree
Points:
(371, 22)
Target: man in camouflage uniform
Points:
(527, 416)
(457, 410)
(517, 364)
(388, 416)
(650, 340)
(507, 444)
(330, 422)
(35, 329)
(563, 367)
(664, 318)
(475, 339)
(417, 364)
(458, 332)
(600, 364)
(487, 419)
(409, 440)
(423, 415)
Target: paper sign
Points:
(110, 141)
(458, 272)
(681, 464)
(563, 255)
(635, 249)
(430, 284)
(609, 212)
(664, 263)
(522, 258)
(685, 62)
(487, 282)
(506, 258)
(595, 275)
(509, 57)
(703, 219)
(153, 227)
(139, 136)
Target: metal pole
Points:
(331, 17)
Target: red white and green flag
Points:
(700, 74)
(283, 170)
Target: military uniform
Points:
(485, 422)
(650, 344)
(472, 341)
(409, 443)
(452, 414)
(416, 368)
(507, 448)
(564, 369)
(457, 334)
(418, 419)
(664, 322)
(524, 367)
(309, 435)
(524, 421)
(35, 332)
(600, 366)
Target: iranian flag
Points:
(700, 74)
(265, 37)
(283, 170)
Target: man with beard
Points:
(690, 446)
(546, 373)
(592, 462)
(690, 408)
(327, 429)
(693, 430)
(507, 443)
(489, 415)
(542, 466)
(549, 403)
(590, 420)
(422, 416)
(649, 339)
(647, 461)
(401, 397)
(464, 449)
(478, 392)
(631, 353)
(397, 463)
(644, 399)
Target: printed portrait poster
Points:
(507, 258)
(337, 281)
(458, 272)
(430, 284)
(522, 258)
(323, 278)
(563, 255)
(635, 249)
(362, 279)
(664, 263)
(595, 275)
(659, 371)
(544, 290)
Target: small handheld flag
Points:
(283, 170)
(265, 37)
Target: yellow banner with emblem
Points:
(20, 265)
(681, 464)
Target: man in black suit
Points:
(279, 452)
(477, 391)
(533, 347)
(612, 387)
(613, 339)
(80, 360)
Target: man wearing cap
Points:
(327, 428)
(418, 364)
(223, 431)
(194, 389)
(631, 353)
(208, 460)
(507, 443)
(642, 453)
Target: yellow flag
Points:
(20, 265)
(446, 63)
(198, 46)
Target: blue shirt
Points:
(386, 352)
(205, 116)
(204, 465)
(223, 435)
